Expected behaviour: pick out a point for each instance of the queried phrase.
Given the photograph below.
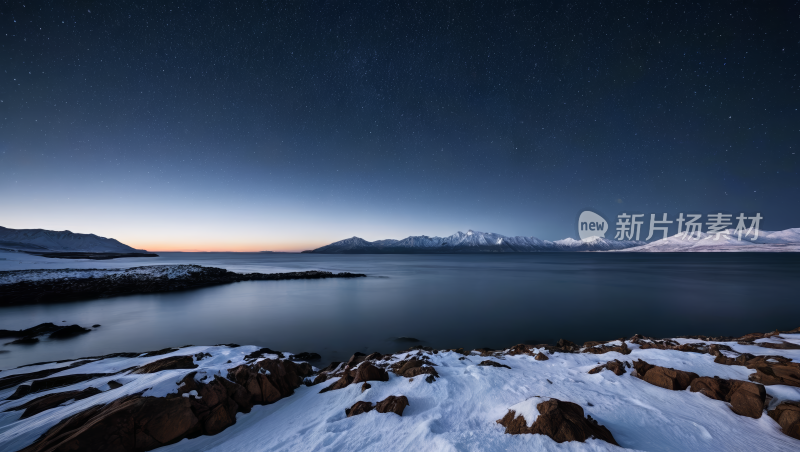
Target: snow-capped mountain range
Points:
(42, 240)
(768, 241)
(472, 242)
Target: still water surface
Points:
(444, 301)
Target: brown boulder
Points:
(668, 378)
(774, 370)
(392, 404)
(173, 362)
(541, 357)
(357, 358)
(747, 399)
(714, 388)
(358, 408)
(598, 348)
(561, 421)
(664, 377)
(787, 415)
(368, 372)
(285, 375)
(615, 366)
(257, 384)
(342, 382)
(410, 368)
(520, 349)
(127, 424)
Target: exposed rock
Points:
(715, 388)
(50, 383)
(491, 363)
(163, 351)
(485, 351)
(406, 367)
(360, 407)
(260, 354)
(342, 382)
(598, 348)
(787, 415)
(130, 282)
(773, 370)
(561, 421)
(201, 356)
(284, 377)
(144, 423)
(24, 340)
(173, 362)
(664, 377)
(376, 357)
(778, 345)
(48, 401)
(392, 404)
(746, 399)
(541, 357)
(615, 366)
(368, 372)
(38, 330)
(520, 349)
(357, 358)
(365, 386)
(13, 380)
(129, 423)
(68, 331)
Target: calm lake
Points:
(444, 301)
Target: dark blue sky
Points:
(269, 125)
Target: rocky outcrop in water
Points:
(184, 277)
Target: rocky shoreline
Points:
(564, 392)
(42, 286)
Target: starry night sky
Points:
(229, 125)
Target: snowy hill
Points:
(62, 241)
(767, 241)
(471, 242)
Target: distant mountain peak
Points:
(471, 242)
(59, 241)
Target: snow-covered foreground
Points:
(458, 411)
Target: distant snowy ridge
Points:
(61, 241)
(768, 241)
(472, 242)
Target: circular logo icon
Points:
(591, 224)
